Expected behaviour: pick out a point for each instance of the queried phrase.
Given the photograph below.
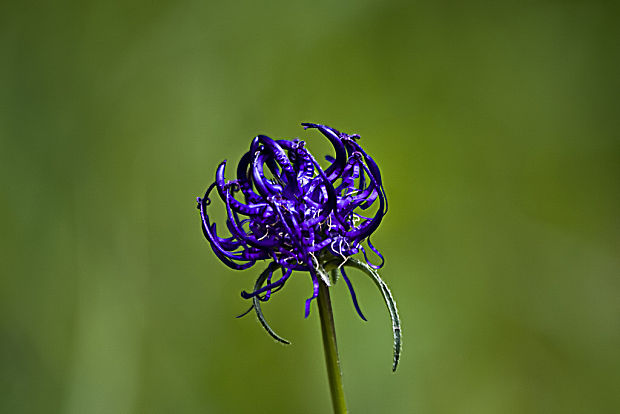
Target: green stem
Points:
(331, 349)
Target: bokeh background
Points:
(496, 128)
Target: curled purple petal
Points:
(268, 286)
(353, 295)
(315, 293)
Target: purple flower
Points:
(284, 207)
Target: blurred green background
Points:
(496, 127)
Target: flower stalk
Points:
(332, 359)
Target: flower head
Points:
(285, 207)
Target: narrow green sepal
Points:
(389, 301)
(325, 277)
(256, 302)
(333, 275)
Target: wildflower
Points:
(284, 207)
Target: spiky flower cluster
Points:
(284, 207)
(295, 212)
